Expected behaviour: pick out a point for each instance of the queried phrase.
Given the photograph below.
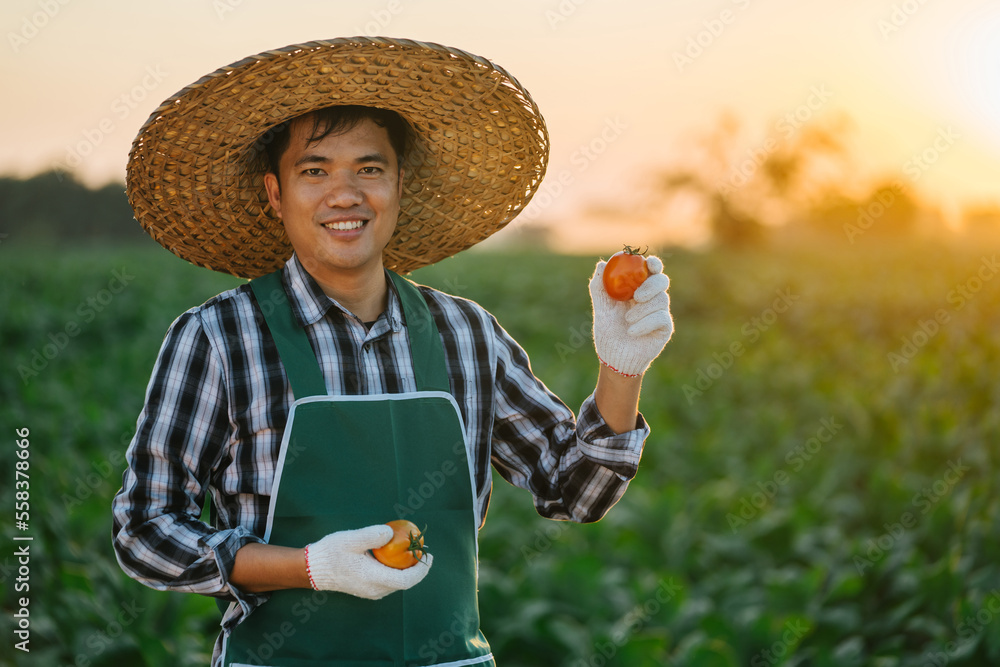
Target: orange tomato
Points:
(405, 549)
(625, 271)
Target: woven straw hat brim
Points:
(479, 150)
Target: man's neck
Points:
(363, 294)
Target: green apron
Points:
(352, 461)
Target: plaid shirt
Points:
(218, 401)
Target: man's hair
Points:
(336, 120)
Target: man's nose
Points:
(344, 192)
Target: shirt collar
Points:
(310, 303)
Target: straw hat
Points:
(479, 150)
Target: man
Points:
(330, 395)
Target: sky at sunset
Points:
(625, 86)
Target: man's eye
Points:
(314, 171)
(371, 170)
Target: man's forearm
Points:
(617, 399)
(266, 567)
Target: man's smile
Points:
(345, 225)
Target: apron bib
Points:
(352, 461)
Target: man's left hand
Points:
(629, 335)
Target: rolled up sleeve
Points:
(619, 452)
(158, 536)
(576, 470)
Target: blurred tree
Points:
(982, 221)
(889, 209)
(55, 207)
(747, 190)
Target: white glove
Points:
(628, 335)
(341, 562)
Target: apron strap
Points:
(425, 344)
(299, 359)
(297, 355)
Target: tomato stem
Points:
(416, 546)
(635, 251)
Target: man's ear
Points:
(273, 189)
(399, 185)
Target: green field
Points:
(818, 488)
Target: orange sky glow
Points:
(626, 87)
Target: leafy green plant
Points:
(805, 498)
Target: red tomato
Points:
(406, 547)
(625, 271)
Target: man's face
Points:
(338, 199)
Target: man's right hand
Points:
(341, 562)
